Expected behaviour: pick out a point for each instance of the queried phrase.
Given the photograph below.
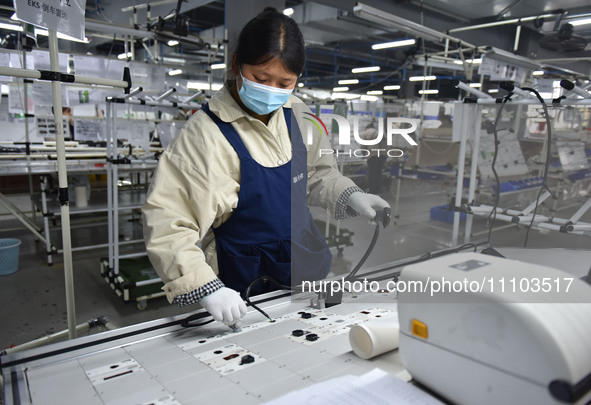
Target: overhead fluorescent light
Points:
(538, 72)
(471, 89)
(365, 69)
(124, 55)
(375, 92)
(369, 98)
(288, 11)
(340, 89)
(428, 91)
(300, 84)
(172, 42)
(391, 21)
(218, 66)
(394, 44)
(472, 61)
(203, 86)
(175, 72)
(422, 78)
(45, 33)
(493, 91)
(347, 96)
(435, 64)
(177, 61)
(582, 21)
(392, 87)
(349, 81)
(11, 27)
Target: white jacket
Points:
(197, 182)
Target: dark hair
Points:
(270, 35)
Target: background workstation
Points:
(443, 191)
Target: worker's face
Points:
(272, 73)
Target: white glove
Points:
(225, 305)
(366, 204)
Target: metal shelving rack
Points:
(118, 164)
(469, 126)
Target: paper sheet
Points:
(374, 388)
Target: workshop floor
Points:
(33, 299)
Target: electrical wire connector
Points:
(235, 328)
(384, 216)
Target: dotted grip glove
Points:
(225, 305)
(366, 204)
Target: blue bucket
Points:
(8, 256)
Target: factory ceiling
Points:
(339, 39)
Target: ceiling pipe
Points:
(505, 22)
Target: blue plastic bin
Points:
(8, 256)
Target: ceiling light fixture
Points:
(428, 91)
(394, 44)
(582, 21)
(288, 11)
(203, 86)
(175, 72)
(172, 42)
(392, 87)
(389, 20)
(365, 69)
(218, 66)
(11, 27)
(422, 78)
(369, 98)
(349, 81)
(124, 55)
(340, 89)
(473, 61)
(538, 72)
(347, 96)
(375, 92)
(45, 33)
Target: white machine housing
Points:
(493, 348)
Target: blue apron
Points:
(271, 232)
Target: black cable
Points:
(422, 258)
(544, 185)
(263, 279)
(186, 323)
(493, 213)
(382, 217)
(374, 239)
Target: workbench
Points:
(165, 363)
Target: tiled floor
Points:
(33, 299)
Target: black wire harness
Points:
(544, 186)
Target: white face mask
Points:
(260, 98)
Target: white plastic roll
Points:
(370, 339)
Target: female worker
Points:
(228, 201)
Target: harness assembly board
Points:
(176, 361)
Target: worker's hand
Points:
(367, 204)
(225, 305)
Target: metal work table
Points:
(75, 166)
(165, 363)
